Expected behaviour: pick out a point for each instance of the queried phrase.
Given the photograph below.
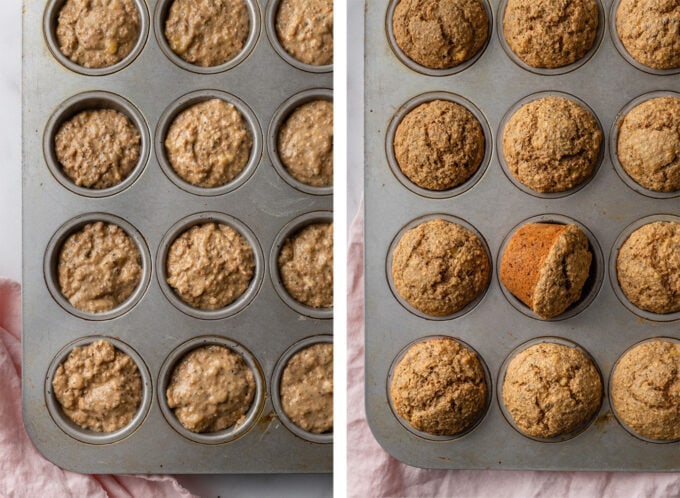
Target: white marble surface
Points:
(294, 485)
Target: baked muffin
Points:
(440, 34)
(99, 267)
(645, 389)
(440, 267)
(98, 33)
(209, 144)
(439, 145)
(550, 34)
(305, 30)
(307, 388)
(211, 389)
(650, 31)
(648, 267)
(648, 145)
(207, 32)
(545, 266)
(439, 387)
(551, 390)
(552, 144)
(210, 266)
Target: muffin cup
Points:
(388, 266)
(50, 18)
(270, 23)
(87, 435)
(413, 65)
(289, 230)
(51, 263)
(613, 274)
(323, 438)
(401, 114)
(501, 380)
(427, 435)
(96, 100)
(614, 145)
(184, 103)
(593, 283)
(278, 120)
(226, 435)
(161, 14)
(504, 164)
(199, 219)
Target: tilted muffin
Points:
(439, 145)
(648, 267)
(552, 144)
(439, 387)
(648, 145)
(440, 34)
(551, 390)
(440, 267)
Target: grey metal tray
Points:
(154, 326)
(495, 206)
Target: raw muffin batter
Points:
(209, 144)
(649, 144)
(439, 387)
(98, 387)
(439, 267)
(648, 267)
(97, 149)
(305, 30)
(210, 266)
(207, 32)
(650, 31)
(211, 389)
(646, 389)
(99, 267)
(439, 144)
(545, 266)
(305, 143)
(306, 265)
(97, 33)
(440, 34)
(551, 144)
(550, 34)
(551, 390)
(307, 388)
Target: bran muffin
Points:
(305, 30)
(439, 145)
(546, 266)
(99, 267)
(550, 34)
(97, 149)
(440, 34)
(207, 33)
(648, 267)
(645, 389)
(551, 390)
(552, 144)
(210, 266)
(98, 33)
(439, 387)
(648, 145)
(440, 267)
(650, 31)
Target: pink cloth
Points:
(24, 472)
(372, 472)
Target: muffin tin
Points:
(494, 206)
(153, 206)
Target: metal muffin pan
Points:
(153, 207)
(600, 323)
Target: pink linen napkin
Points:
(24, 472)
(372, 472)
